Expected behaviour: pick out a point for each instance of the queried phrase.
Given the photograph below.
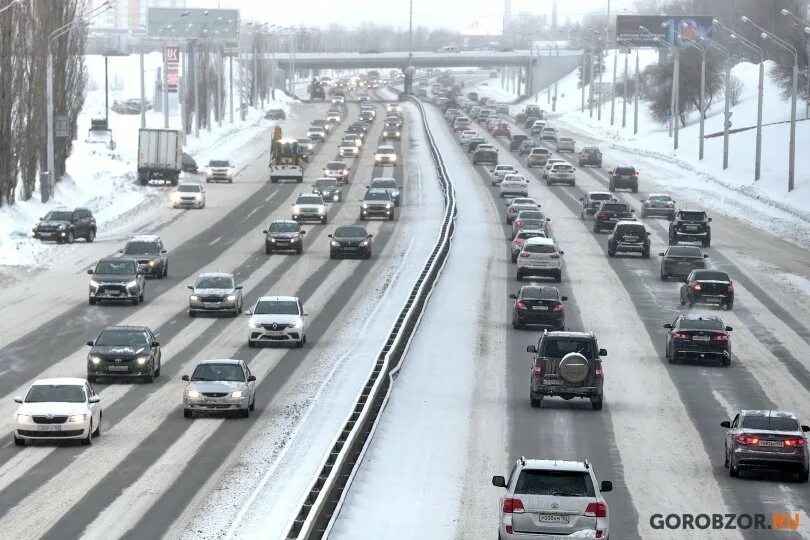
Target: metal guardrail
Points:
(317, 509)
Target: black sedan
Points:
(698, 337)
(516, 141)
(708, 287)
(679, 261)
(541, 306)
(352, 241)
(124, 352)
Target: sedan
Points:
(516, 205)
(531, 219)
(328, 188)
(350, 241)
(514, 184)
(679, 261)
(525, 147)
(220, 386)
(566, 144)
(124, 352)
(658, 204)
(348, 149)
(500, 171)
(520, 239)
(56, 410)
(466, 136)
(516, 141)
(708, 287)
(541, 306)
(698, 337)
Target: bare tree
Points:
(735, 90)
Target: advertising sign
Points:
(663, 27)
(171, 57)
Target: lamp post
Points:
(760, 96)
(675, 83)
(793, 95)
(626, 76)
(613, 86)
(702, 97)
(800, 22)
(712, 43)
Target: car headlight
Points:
(142, 360)
(94, 283)
(388, 205)
(24, 419)
(193, 394)
(62, 227)
(364, 243)
(321, 209)
(335, 243)
(255, 324)
(365, 206)
(95, 360)
(153, 262)
(77, 418)
(273, 240)
(239, 394)
(193, 297)
(397, 135)
(231, 298)
(296, 209)
(395, 193)
(334, 198)
(132, 283)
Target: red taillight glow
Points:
(597, 372)
(558, 306)
(697, 286)
(796, 443)
(596, 509)
(524, 254)
(721, 337)
(680, 335)
(635, 175)
(538, 370)
(746, 439)
(520, 305)
(519, 241)
(512, 506)
(601, 215)
(730, 287)
(599, 533)
(519, 223)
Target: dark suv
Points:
(125, 352)
(567, 364)
(485, 153)
(629, 237)
(284, 235)
(592, 200)
(118, 279)
(623, 178)
(590, 155)
(690, 226)
(708, 287)
(538, 305)
(516, 141)
(609, 213)
(64, 226)
(698, 337)
(148, 250)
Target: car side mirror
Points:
(564, 298)
(90, 343)
(531, 349)
(305, 314)
(513, 296)
(370, 235)
(661, 254)
(120, 251)
(251, 378)
(93, 399)
(190, 287)
(632, 210)
(561, 252)
(606, 486)
(725, 424)
(184, 378)
(685, 279)
(163, 251)
(548, 219)
(805, 428)
(729, 329)
(709, 219)
(582, 198)
(239, 287)
(329, 236)
(155, 344)
(602, 352)
(264, 231)
(139, 272)
(90, 271)
(249, 312)
(499, 481)
(668, 325)
(18, 399)
(705, 255)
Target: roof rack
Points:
(523, 460)
(587, 464)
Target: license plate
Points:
(691, 228)
(276, 333)
(350, 249)
(553, 382)
(540, 308)
(701, 338)
(631, 238)
(114, 293)
(210, 304)
(778, 444)
(46, 234)
(49, 427)
(118, 368)
(552, 518)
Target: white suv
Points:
(540, 257)
(277, 319)
(548, 498)
(309, 206)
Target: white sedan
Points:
(58, 409)
(465, 137)
(514, 185)
(500, 171)
(385, 155)
(549, 164)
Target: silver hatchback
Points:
(220, 386)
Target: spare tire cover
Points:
(574, 367)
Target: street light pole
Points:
(613, 88)
(807, 53)
(760, 95)
(702, 89)
(675, 83)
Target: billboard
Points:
(175, 23)
(481, 26)
(663, 27)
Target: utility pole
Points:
(677, 93)
(230, 85)
(143, 90)
(613, 87)
(107, 93)
(635, 98)
(220, 69)
(599, 104)
(164, 84)
(624, 101)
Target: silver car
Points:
(215, 292)
(547, 498)
(566, 144)
(561, 173)
(220, 386)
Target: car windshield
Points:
(659, 198)
(335, 166)
(769, 423)
(122, 338)
(540, 248)
(615, 207)
(701, 324)
(347, 144)
(711, 275)
(55, 393)
(309, 199)
(306, 142)
(218, 372)
(557, 348)
(219, 163)
(123, 267)
(589, 150)
(350, 232)
(554, 483)
(693, 216)
(523, 201)
(684, 251)
(142, 248)
(537, 293)
(562, 168)
(504, 168)
(600, 196)
(385, 150)
(638, 230)
(58, 216)
(625, 170)
(386, 184)
(214, 282)
(531, 214)
(326, 184)
(316, 129)
(514, 178)
(189, 188)
(276, 307)
(566, 140)
(527, 235)
(377, 196)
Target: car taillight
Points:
(597, 372)
(596, 509)
(601, 215)
(730, 287)
(524, 254)
(696, 286)
(538, 370)
(796, 443)
(721, 337)
(512, 506)
(559, 306)
(680, 335)
(746, 439)
(519, 223)
(519, 241)
(635, 175)
(520, 305)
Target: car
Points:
(393, 108)
(590, 155)
(124, 352)
(549, 163)
(391, 132)
(63, 226)
(354, 137)
(609, 213)
(566, 144)
(679, 261)
(215, 292)
(151, 254)
(117, 279)
(188, 164)
(658, 204)
(310, 206)
(306, 147)
(220, 386)
(540, 257)
(338, 170)
(623, 178)
(277, 319)
(569, 365)
(58, 410)
(629, 237)
(552, 498)
(485, 153)
(526, 147)
(561, 173)
(766, 440)
(461, 123)
(514, 184)
(220, 170)
(350, 240)
(189, 195)
(333, 117)
(690, 226)
(549, 134)
(284, 235)
(394, 120)
(492, 122)
(328, 188)
(592, 200)
(500, 171)
(368, 115)
(501, 129)
(530, 219)
(390, 185)
(537, 157)
(698, 337)
(385, 155)
(338, 100)
(530, 121)
(275, 114)
(516, 205)
(316, 133)
(516, 141)
(466, 136)
(520, 238)
(537, 127)
(474, 142)
(451, 114)
(348, 149)
(503, 108)
(377, 203)
(706, 286)
(538, 305)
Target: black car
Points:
(124, 352)
(526, 147)
(623, 178)
(679, 261)
(485, 154)
(690, 226)
(590, 155)
(474, 142)
(188, 164)
(592, 200)
(708, 287)
(357, 129)
(284, 235)
(150, 253)
(609, 213)
(390, 185)
(516, 141)
(377, 203)
(350, 240)
(536, 305)
(117, 279)
(629, 237)
(367, 116)
(698, 337)
(329, 188)
(64, 226)
(530, 120)
(275, 114)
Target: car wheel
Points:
(92, 301)
(733, 471)
(70, 237)
(18, 441)
(516, 324)
(91, 235)
(611, 253)
(188, 413)
(803, 476)
(97, 432)
(245, 413)
(157, 371)
(635, 189)
(135, 301)
(252, 406)
(611, 187)
(235, 313)
(548, 182)
(729, 306)
(707, 242)
(536, 402)
(597, 404)
(558, 276)
(514, 259)
(643, 214)
(645, 254)
(519, 276)
(268, 250)
(87, 441)
(664, 277)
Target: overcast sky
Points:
(449, 14)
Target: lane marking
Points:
(215, 240)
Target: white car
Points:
(465, 137)
(354, 138)
(277, 319)
(520, 239)
(549, 163)
(338, 100)
(561, 173)
(333, 117)
(385, 155)
(316, 133)
(348, 149)
(56, 410)
(517, 204)
(538, 127)
(393, 108)
(220, 386)
(220, 170)
(189, 195)
(540, 257)
(500, 171)
(514, 184)
(309, 206)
